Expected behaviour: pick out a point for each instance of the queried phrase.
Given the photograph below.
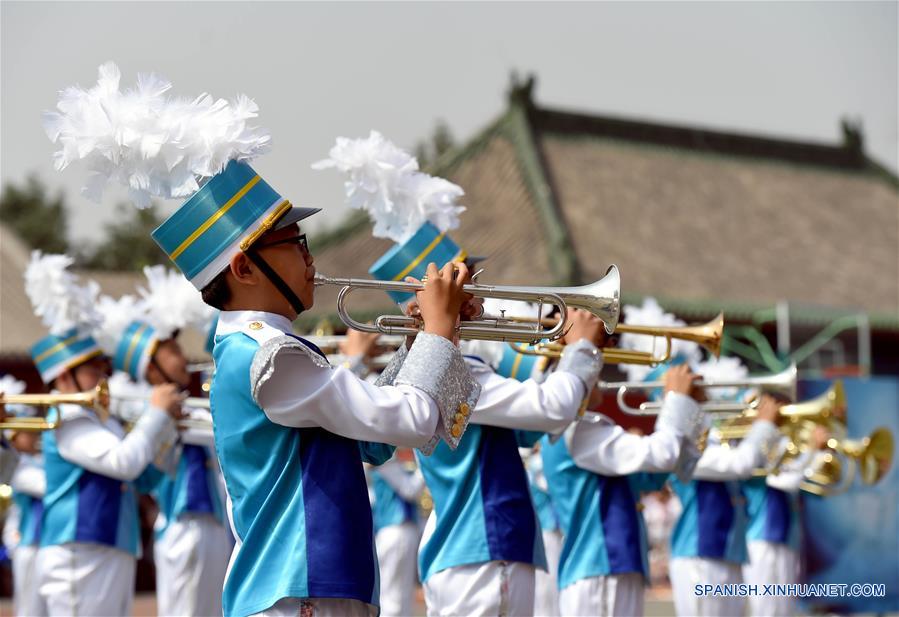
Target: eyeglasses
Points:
(300, 239)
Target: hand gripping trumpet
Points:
(602, 298)
(96, 399)
(783, 383)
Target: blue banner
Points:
(854, 537)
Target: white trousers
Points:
(771, 563)
(616, 595)
(26, 594)
(191, 559)
(489, 589)
(687, 572)
(546, 587)
(85, 580)
(318, 607)
(397, 547)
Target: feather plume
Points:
(11, 385)
(116, 316)
(58, 297)
(171, 303)
(722, 369)
(650, 313)
(385, 181)
(151, 143)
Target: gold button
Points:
(255, 325)
(640, 507)
(456, 430)
(464, 409)
(459, 418)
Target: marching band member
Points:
(594, 478)
(709, 542)
(482, 543)
(289, 428)
(774, 530)
(192, 543)
(397, 490)
(28, 484)
(90, 534)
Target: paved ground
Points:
(145, 606)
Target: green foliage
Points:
(127, 244)
(40, 220)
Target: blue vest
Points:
(546, 512)
(773, 514)
(603, 527)
(482, 503)
(299, 499)
(389, 508)
(712, 523)
(191, 491)
(31, 511)
(83, 506)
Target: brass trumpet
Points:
(783, 383)
(96, 399)
(602, 298)
(707, 335)
(798, 424)
(869, 457)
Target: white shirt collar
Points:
(234, 321)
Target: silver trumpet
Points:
(783, 383)
(602, 298)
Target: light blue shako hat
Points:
(161, 146)
(411, 208)
(226, 216)
(67, 309)
(411, 258)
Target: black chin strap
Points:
(276, 280)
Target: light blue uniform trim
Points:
(68, 350)
(713, 521)
(389, 508)
(82, 506)
(299, 500)
(174, 494)
(482, 503)
(244, 215)
(773, 514)
(400, 256)
(603, 528)
(31, 512)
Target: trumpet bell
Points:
(876, 455)
(831, 403)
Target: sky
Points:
(323, 70)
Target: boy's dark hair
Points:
(217, 294)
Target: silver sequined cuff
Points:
(263, 366)
(388, 375)
(584, 360)
(682, 416)
(435, 366)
